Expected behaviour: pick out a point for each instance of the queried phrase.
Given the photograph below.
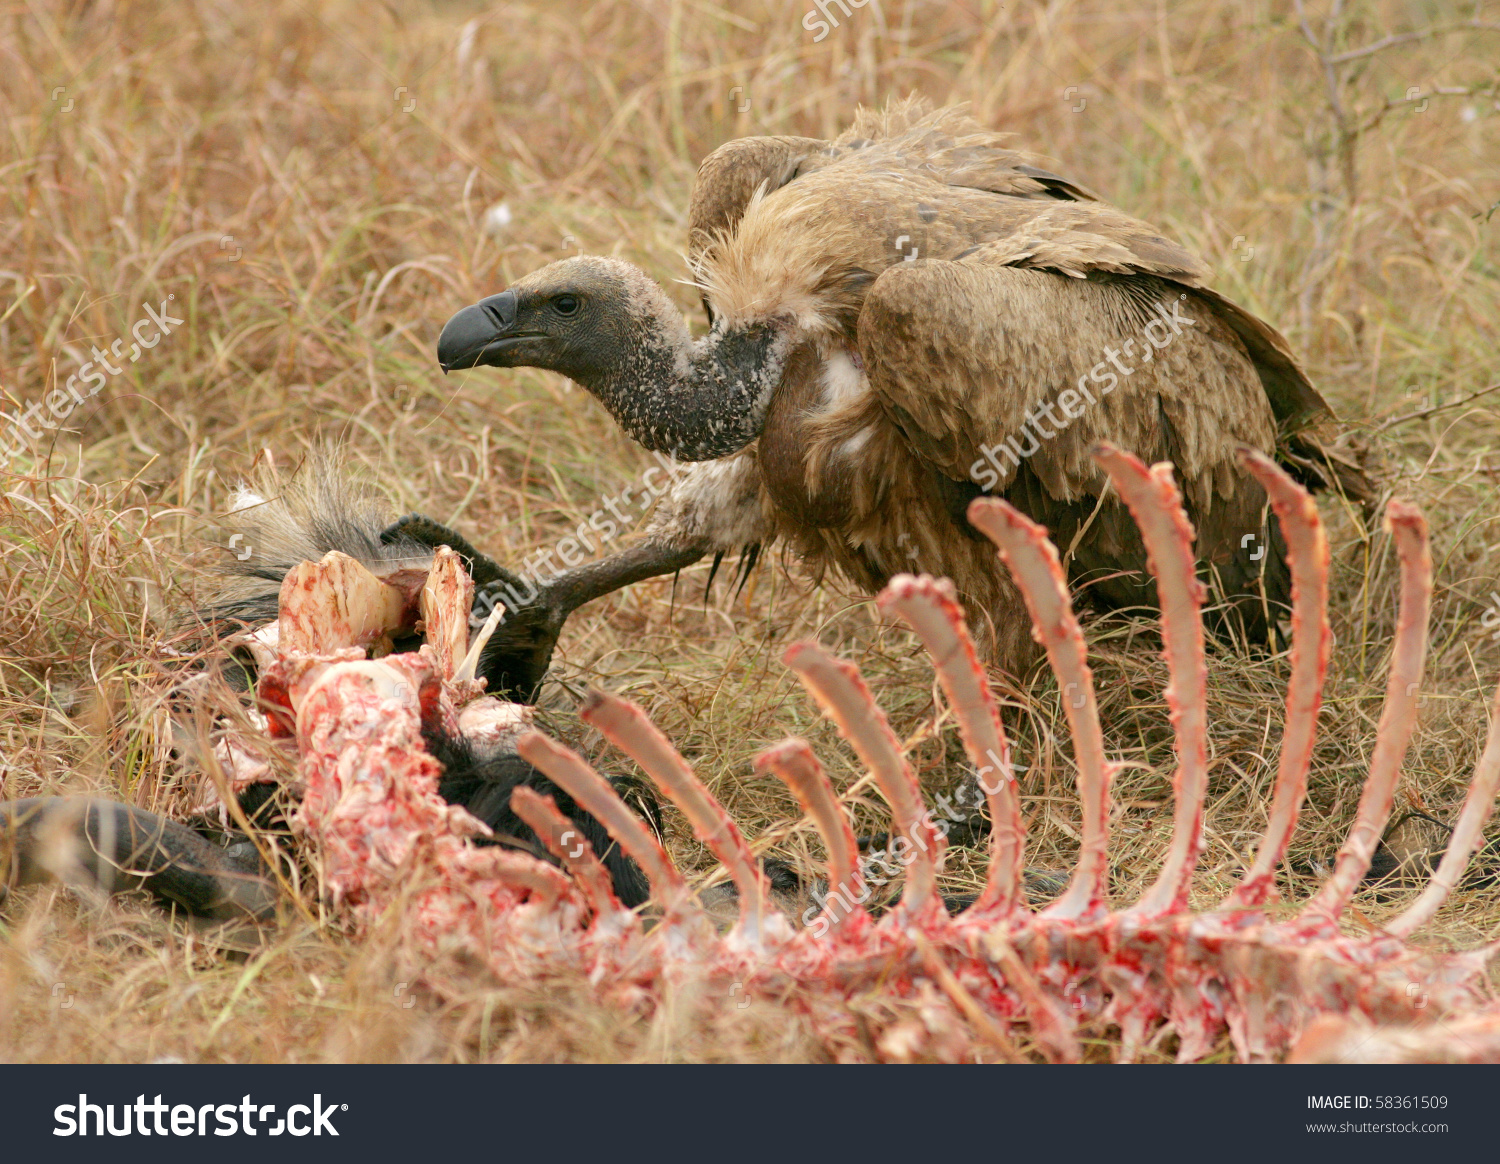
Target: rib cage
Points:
(1150, 969)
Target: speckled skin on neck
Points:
(697, 402)
(628, 344)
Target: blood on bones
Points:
(997, 981)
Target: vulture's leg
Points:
(115, 848)
(712, 507)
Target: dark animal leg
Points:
(419, 528)
(115, 848)
(518, 654)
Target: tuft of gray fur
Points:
(275, 523)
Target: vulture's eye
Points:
(565, 304)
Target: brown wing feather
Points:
(729, 176)
(1294, 399)
(949, 146)
(830, 215)
(1079, 238)
(961, 353)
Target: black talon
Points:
(748, 558)
(712, 573)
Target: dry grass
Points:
(311, 183)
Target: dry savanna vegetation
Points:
(313, 188)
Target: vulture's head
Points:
(579, 317)
(606, 325)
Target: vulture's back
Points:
(949, 292)
(801, 226)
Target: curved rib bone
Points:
(794, 763)
(841, 692)
(1467, 836)
(1307, 555)
(1156, 505)
(571, 772)
(625, 725)
(523, 871)
(563, 840)
(1397, 718)
(930, 607)
(1032, 561)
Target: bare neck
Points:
(697, 400)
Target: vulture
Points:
(900, 320)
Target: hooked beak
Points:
(480, 334)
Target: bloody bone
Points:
(976, 983)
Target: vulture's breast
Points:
(811, 386)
